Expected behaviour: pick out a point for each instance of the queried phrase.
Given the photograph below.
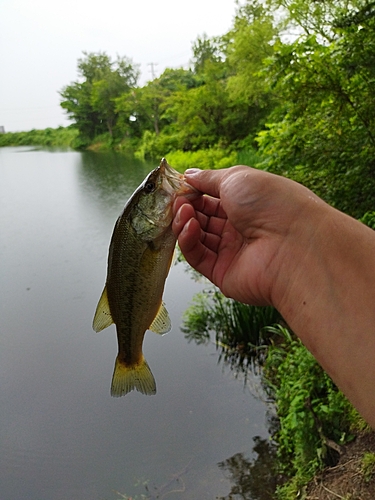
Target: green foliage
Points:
(153, 147)
(58, 137)
(250, 44)
(103, 142)
(310, 16)
(369, 219)
(314, 417)
(323, 131)
(200, 115)
(90, 101)
(207, 52)
(368, 466)
(248, 156)
(313, 413)
(239, 329)
(204, 159)
(219, 102)
(148, 109)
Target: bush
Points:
(248, 157)
(314, 415)
(153, 147)
(213, 158)
(369, 219)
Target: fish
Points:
(139, 258)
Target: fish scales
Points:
(135, 286)
(139, 259)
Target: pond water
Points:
(62, 436)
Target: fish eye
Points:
(150, 186)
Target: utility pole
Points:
(153, 74)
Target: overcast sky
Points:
(41, 41)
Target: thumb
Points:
(206, 181)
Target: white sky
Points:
(41, 41)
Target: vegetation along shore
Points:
(289, 88)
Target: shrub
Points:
(213, 158)
(314, 415)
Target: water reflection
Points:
(110, 173)
(174, 485)
(252, 479)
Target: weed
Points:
(239, 329)
(313, 413)
(368, 466)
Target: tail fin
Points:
(126, 378)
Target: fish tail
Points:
(126, 378)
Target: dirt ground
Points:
(347, 480)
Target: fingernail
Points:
(177, 217)
(192, 171)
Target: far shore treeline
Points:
(290, 88)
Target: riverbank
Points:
(316, 430)
(49, 137)
(353, 476)
(210, 158)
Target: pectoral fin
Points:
(102, 318)
(162, 322)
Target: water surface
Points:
(61, 434)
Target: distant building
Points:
(2, 129)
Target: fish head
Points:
(155, 197)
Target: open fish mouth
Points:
(175, 180)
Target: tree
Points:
(205, 51)
(90, 102)
(200, 115)
(148, 107)
(194, 114)
(250, 43)
(323, 132)
(313, 17)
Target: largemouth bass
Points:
(139, 259)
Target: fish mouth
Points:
(176, 181)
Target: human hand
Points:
(264, 239)
(249, 228)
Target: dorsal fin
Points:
(162, 322)
(102, 317)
